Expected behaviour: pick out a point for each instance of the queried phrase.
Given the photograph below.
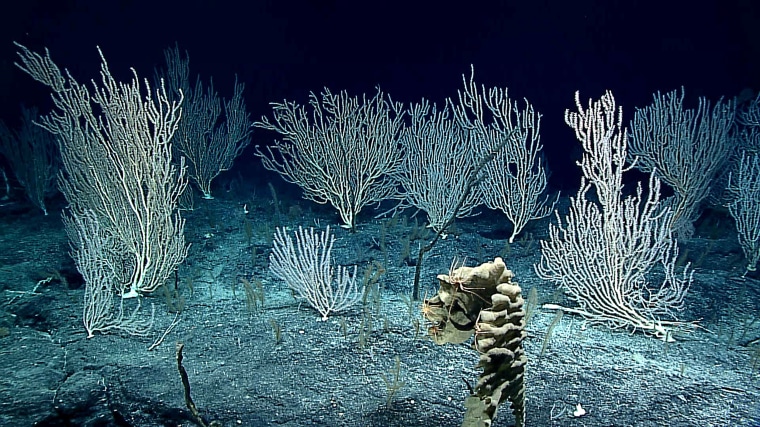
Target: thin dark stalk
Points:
(473, 180)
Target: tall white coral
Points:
(605, 249)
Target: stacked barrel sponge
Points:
(483, 300)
